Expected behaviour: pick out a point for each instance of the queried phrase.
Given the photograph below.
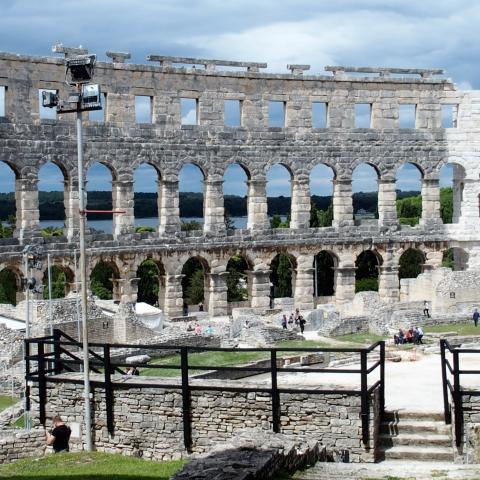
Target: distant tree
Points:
(8, 287)
(448, 260)
(195, 290)
(144, 229)
(191, 225)
(446, 204)
(101, 281)
(52, 232)
(58, 283)
(366, 275)
(236, 278)
(281, 276)
(148, 285)
(410, 263)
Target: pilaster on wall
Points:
(168, 201)
(304, 288)
(344, 283)
(259, 290)
(173, 306)
(342, 203)
(26, 202)
(388, 283)
(71, 203)
(257, 208)
(387, 198)
(213, 207)
(217, 293)
(300, 211)
(123, 200)
(430, 202)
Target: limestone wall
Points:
(17, 444)
(148, 421)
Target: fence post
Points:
(42, 387)
(382, 378)
(446, 403)
(57, 363)
(457, 399)
(27, 380)
(109, 398)
(364, 397)
(275, 394)
(186, 400)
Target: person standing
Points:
(475, 317)
(302, 323)
(284, 322)
(426, 313)
(59, 435)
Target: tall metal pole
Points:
(27, 335)
(50, 320)
(83, 284)
(77, 305)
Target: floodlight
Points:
(91, 97)
(49, 99)
(81, 68)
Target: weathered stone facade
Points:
(148, 421)
(27, 142)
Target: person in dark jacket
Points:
(59, 436)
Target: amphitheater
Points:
(28, 142)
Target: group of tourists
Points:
(295, 319)
(412, 335)
(197, 329)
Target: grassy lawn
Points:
(363, 338)
(6, 401)
(458, 328)
(223, 359)
(93, 465)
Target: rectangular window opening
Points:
(408, 115)
(143, 109)
(276, 114)
(99, 115)
(449, 116)
(232, 113)
(363, 115)
(189, 111)
(3, 95)
(319, 114)
(46, 112)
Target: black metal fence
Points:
(451, 383)
(54, 355)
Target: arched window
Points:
(279, 196)
(51, 185)
(324, 274)
(99, 197)
(7, 200)
(366, 275)
(411, 263)
(191, 188)
(409, 196)
(365, 192)
(321, 192)
(235, 195)
(282, 276)
(145, 184)
(452, 181)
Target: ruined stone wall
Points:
(15, 444)
(148, 421)
(28, 142)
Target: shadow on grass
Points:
(123, 476)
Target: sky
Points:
(408, 33)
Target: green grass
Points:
(223, 359)
(458, 328)
(93, 465)
(7, 401)
(363, 338)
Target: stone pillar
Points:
(213, 210)
(123, 199)
(259, 290)
(388, 283)
(344, 284)
(169, 208)
(173, 306)
(257, 205)
(433, 260)
(342, 203)
(387, 202)
(303, 294)
(70, 200)
(128, 290)
(26, 203)
(300, 213)
(430, 202)
(216, 294)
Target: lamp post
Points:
(87, 97)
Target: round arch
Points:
(367, 271)
(410, 263)
(10, 285)
(324, 274)
(238, 289)
(104, 278)
(282, 277)
(151, 284)
(195, 284)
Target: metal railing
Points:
(451, 383)
(61, 359)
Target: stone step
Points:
(430, 453)
(401, 469)
(415, 439)
(413, 426)
(400, 415)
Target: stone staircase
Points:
(415, 435)
(413, 445)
